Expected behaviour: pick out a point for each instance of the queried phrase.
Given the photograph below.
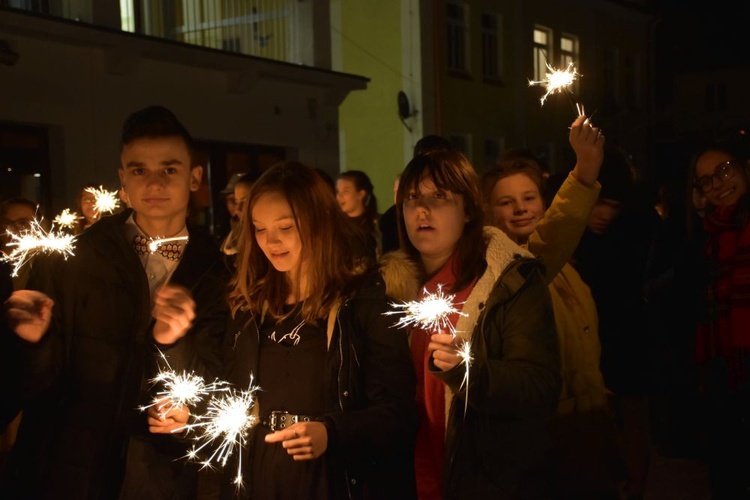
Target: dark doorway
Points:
(24, 164)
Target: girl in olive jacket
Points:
(482, 430)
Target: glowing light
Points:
(104, 201)
(181, 389)
(66, 219)
(464, 352)
(432, 313)
(29, 242)
(155, 243)
(226, 423)
(557, 81)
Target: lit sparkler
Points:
(464, 352)
(29, 242)
(557, 81)
(155, 243)
(104, 201)
(66, 219)
(227, 421)
(432, 313)
(181, 389)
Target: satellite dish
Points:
(404, 109)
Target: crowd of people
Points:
(585, 327)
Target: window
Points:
(632, 79)
(491, 47)
(462, 143)
(127, 16)
(542, 52)
(457, 45)
(611, 77)
(716, 97)
(492, 148)
(568, 50)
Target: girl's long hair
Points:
(329, 246)
(450, 171)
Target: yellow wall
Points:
(372, 137)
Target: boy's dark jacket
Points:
(83, 383)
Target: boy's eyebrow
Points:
(165, 163)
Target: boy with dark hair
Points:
(91, 330)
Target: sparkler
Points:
(181, 389)
(104, 201)
(29, 242)
(155, 243)
(433, 313)
(557, 81)
(227, 421)
(66, 219)
(464, 352)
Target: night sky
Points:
(714, 37)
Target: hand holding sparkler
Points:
(167, 418)
(29, 314)
(445, 350)
(588, 143)
(303, 440)
(174, 311)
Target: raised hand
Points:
(29, 314)
(588, 143)
(174, 311)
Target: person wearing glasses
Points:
(720, 174)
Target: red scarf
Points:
(430, 445)
(727, 332)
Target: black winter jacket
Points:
(370, 389)
(82, 432)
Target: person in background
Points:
(242, 188)
(231, 204)
(430, 143)
(309, 327)
(356, 197)
(483, 427)
(91, 331)
(721, 174)
(587, 462)
(612, 258)
(16, 216)
(388, 225)
(87, 214)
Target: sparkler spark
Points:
(66, 218)
(557, 81)
(155, 243)
(432, 313)
(181, 389)
(464, 352)
(29, 242)
(227, 421)
(104, 201)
